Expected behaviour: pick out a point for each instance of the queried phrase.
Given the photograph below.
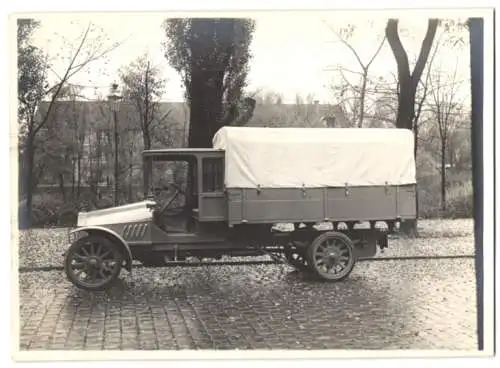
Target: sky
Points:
(292, 51)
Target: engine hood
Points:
(135, 212)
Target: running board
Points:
(193, 246)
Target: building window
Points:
(213, 175)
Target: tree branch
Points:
(376, 53)
(61, 83)
(339, 68)
(392, 35)
(346, 44)
(424, 50)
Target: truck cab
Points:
(187, 186)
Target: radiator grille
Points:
(134, 231)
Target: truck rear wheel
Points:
(331, 256)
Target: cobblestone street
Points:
(420, 304)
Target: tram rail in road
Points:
(50, 268)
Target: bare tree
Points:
(447, 111)
(144, 87)
(385, 101)
(358, 101)
(87, 51)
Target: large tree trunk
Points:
(216, 121)
(199, 126)
(205, 117)
(408, 82)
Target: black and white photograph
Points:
(252, 182)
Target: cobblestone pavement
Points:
(423, 304)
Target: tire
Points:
(92, 254)
(340, 250)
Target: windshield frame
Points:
(190, 155)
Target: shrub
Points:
(44, 210)
(49, 209)
(459, 200)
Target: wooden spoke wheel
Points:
(331, 256)
(93, 263)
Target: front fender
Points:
(110, 234)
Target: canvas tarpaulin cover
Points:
(315, 157)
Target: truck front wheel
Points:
(93, 263)
(331, 256)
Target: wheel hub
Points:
(331, 256)
(94, 261)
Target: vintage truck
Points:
(320, 182)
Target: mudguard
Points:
(109, 233)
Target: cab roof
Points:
(182, 153)
(179, 150)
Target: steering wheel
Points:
(166, 206)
